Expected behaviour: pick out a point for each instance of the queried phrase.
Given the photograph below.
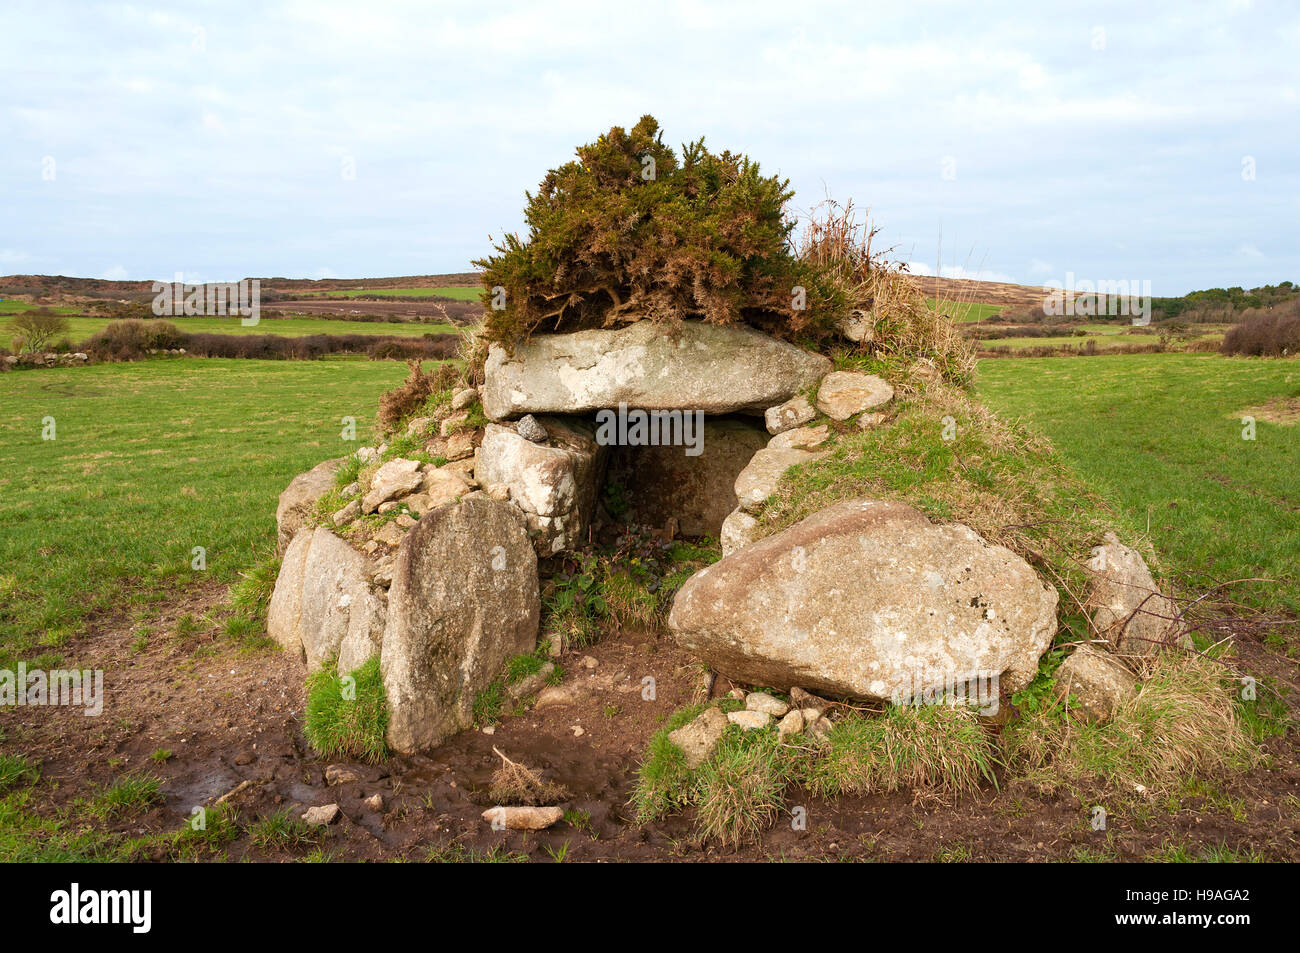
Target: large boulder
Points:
(464, 600)
(325, 605)
(870, 600)
(299, 498)
(1129, 611)
(554, 483)
(663, 483)
(693, 366)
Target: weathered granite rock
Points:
(464, 600)
(554, 485)
(299, 498)
(1096, 681)
(698, 739)
(802, 438)
(845, 393)
(704, 367)
(868, 599)
(395, 478)
(1129, 611)
(795, 412)
(763, 473)
(325, 604)
(739, 529)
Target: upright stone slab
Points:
(706, 367)
(325, 604)
(299, 498)
(464, 600)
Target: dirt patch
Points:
(1283, 410)
(232, 716)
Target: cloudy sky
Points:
(1152, 141)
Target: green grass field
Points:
(149, 461)
(1105, 336)
(459, 293)
(82, 328)
(965, 311)
(1160, 435)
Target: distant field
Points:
(150, 460)
(1112, 335)
(459, 293)
(10, 307)
(82, 328)
(964, 311)
(1160, 435)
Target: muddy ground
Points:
(230, 714)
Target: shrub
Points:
(35, 329)
(631, 231)
(132, 338)
(396, 405)
(1265, 333)
(348, 723)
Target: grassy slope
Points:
(1160, 435)
(151, 460)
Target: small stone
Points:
(699, 737)
(522, 818)
(351, 490)
(418, 425)
(463, 398)
(793, 413)
(578, 731)
(322, 816)
(453, 424)
(338, 774)
(845, 393)
(460, 445)
(589, 662)
(390, 534)
(404, 520)
(749, 720)
(802, 438)
(532, 684)
(802, 699)
(867, 421)
(1098, 682)
(375, 802)
(395, 478)
(761, 701)
(791, 724)
(443, 485)
(530, 429)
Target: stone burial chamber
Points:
(435, 567)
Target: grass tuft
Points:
(348, 717)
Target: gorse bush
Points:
(630, 231)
